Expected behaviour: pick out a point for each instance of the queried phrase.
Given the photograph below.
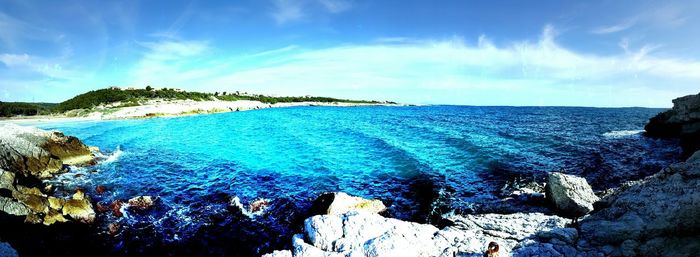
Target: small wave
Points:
(255, 208)
(114, 156)
(621, 133)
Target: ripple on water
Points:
(417, 160)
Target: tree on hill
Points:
(149, 88)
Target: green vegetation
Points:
(9, 109)
(82, 103)
(112, 95)
(290, 99)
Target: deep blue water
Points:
(416, 159)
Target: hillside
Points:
(9, 109)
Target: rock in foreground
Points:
(571, 195)
(366, 234)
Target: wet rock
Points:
(12, 207)
(141, 202)
(258, 205)
(101, 208)
(100, 189)
(571, 195)
(339, 203)
(662, 206)
(116, 207)
(113, 228)
(682, 121)
(6, 250)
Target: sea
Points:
(422, 161)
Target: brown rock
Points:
(258, 205)
(101, 208)
(116, 208)
(100, 189)
(113, 228)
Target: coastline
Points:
(173, 108)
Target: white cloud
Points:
(415, 70)
(614, 28)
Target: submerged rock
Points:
(682, 121)
(571, 195)
(339, 203)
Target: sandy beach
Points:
(170, 108)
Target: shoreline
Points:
(174, 108)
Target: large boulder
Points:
(660, 208)
(368, 234)
(571, 195)
(682, 121)
(39, 153)
(339, 203)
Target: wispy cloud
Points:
(286, 11)
(614, 28)
(336, 6)
(541, 69)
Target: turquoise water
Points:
(418, 160)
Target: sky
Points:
(521, 53)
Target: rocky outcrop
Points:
(571, 195)
(682, 121)
(39, 153)
(656, 216)
(34, 154)
(339, 203)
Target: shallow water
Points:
(415, 159)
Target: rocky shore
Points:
(682, 121)
(29, 155)
(655, 216)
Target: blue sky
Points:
(565, 53)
